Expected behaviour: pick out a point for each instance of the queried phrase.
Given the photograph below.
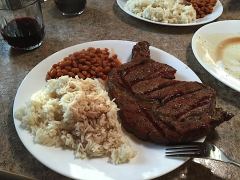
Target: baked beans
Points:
(87, 63)
(203, 7)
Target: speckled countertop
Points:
(104, 20)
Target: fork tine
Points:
(181, 147)
(184, 146)
(184, 155)
(183, 151)
(193, 149)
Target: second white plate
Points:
(223, 64)
(217, 11)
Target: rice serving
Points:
(76, 114)
(167, 11)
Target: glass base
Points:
(72, 14)
(29, 48)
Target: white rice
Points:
(76, 114)
(167, 11)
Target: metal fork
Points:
(199, 150)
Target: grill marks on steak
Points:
(135, 114)
(130, 110)
(155, 107)
(147, 70)
(186, 103)
(164, 90)
(151, 85)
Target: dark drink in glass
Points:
(71, 7)
(22, 33)
(21, 23)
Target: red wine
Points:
(70, 6)
(23, 33)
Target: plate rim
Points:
(207, 68)
(16, 123)
(171, 24)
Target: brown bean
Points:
(65, 72)
(92, 72)
(59, 74)
(65, 59)
(110, 59)
(105, 53)
(90, 48)
(84, 73)
(93, 61)
(68, 63)
(99, 61)
(53, 73)
(54, 66)
(99, 69)
(96, 64)
(104, 77)
(88, 75)
(76, 54)
(71, 74)
(88, 63)
(107, 69)
(113, 64)
(117, 62)
(85, 68)
(203, 7)
(100, 73)
(102, 56)
(80, 75)
(108, 63)
(98, 50)
(48, 77)
(114, 56)
(74, 64)
(62, 64)
(87, 58)
(59, 70)
(93, 68)
(82, 60)
(68, 68)
(75, 70)
(80, 66)
(92, 55)
(104, 64)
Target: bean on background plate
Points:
(87, 63)
(203, 7)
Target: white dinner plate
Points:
(150, 161)
(223, 62)
(217, 11)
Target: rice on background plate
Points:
(76, 114)
(167, 11)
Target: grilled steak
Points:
(155, 107)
